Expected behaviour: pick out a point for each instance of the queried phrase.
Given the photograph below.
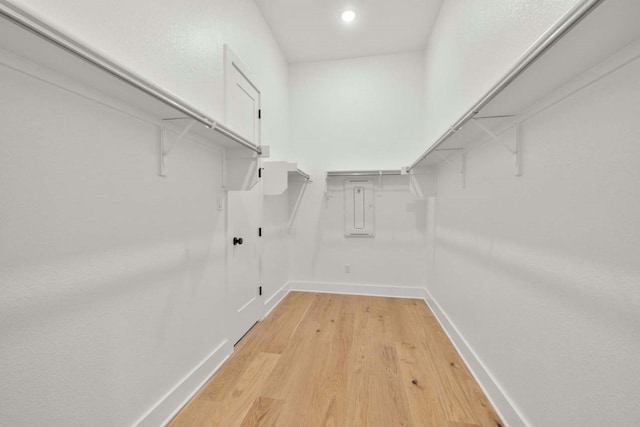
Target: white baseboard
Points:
(273, 301)
(359, 289)
(501, 403)
(173, 401)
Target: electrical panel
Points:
(359, 208)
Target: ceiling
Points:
(311, 30)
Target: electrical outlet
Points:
(347, 268)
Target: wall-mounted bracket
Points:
(327, 192)
(463, 163)
(166, 146)
(296, 207)
(414, 186)
(514, 151)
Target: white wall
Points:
(393, 258)
(275, 248)
(113, 279)
(472, 46)
(363, 113)
(540, 273)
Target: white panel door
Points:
(242, 100)
(243, 301)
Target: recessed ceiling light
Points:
(348, 15)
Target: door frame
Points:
(231, 61)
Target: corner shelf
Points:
(280, 176)
(277, 175)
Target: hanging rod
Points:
(34, 25)
(364, 173)
(223, 130)
(548, 39)
(302, 174)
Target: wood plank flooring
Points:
(341, 360)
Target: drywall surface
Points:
(472, 46)
(113, 279)
(540, 273)
(179, 46)
(363, 113)
(320, 251)
(275, 244)
(107, 279)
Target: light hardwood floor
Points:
(341, 360)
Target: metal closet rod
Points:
(53, 36)
(548, 39)
(364, 173)
(303, 174)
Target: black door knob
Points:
(237, 241)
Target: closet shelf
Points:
(301, 173)
(575, 44)
(364, 173)
(277, 175)
(28, 37)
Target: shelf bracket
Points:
(296, 207)
(166, 147)
(490, 133)
(414, 186)
(515, 152)
(327, 193)
(463, 163)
